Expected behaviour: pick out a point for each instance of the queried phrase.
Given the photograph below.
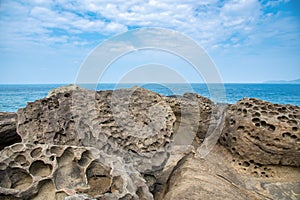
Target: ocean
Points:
(13, 97)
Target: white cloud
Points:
(212, 23)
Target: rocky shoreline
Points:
(136, 144)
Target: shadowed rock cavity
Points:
(8, 133)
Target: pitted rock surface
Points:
(135, 123)
(263, 133)
(30, 171)
(8, 132)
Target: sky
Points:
(249, 41)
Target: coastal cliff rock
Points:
(262, 132)
(29, 171)
(8, 132)
(124, 144)
(135, 123)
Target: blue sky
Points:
(46, 41)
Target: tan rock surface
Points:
(222, 176)
(263, 132)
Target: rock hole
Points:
(36, 152)
(67, 95)
(240, 128)
(263, 123)
(257, 114)
(271, 127)
(276, 139)
(234, 139)
(255, 120)
(85, 158)
(292, 122)
(17, 147)
(19, 179)
(295, 129)
(294, 137)
(257, 124)
(56, 150)
(246, 164)
(52, 158)
(99, 179)
(286, 134)
(39, 168)
(20, 159)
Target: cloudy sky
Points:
(46, 41)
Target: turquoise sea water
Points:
(13, 97)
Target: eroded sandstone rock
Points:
(8, 133)
(193, 117)
(223, 176)
(64, 89)
(263, 132)
(30, 171)
(135, 124)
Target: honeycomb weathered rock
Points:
(42, 171)
(135, 123)
(263, 132)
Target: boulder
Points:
(135, 123)
(8, 126)
(263, 133)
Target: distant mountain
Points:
(297, 81)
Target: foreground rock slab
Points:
(30, 171)
(222, 176)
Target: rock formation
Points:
(133, 123)
(262, 132)
(8, 132)
(124, 144)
